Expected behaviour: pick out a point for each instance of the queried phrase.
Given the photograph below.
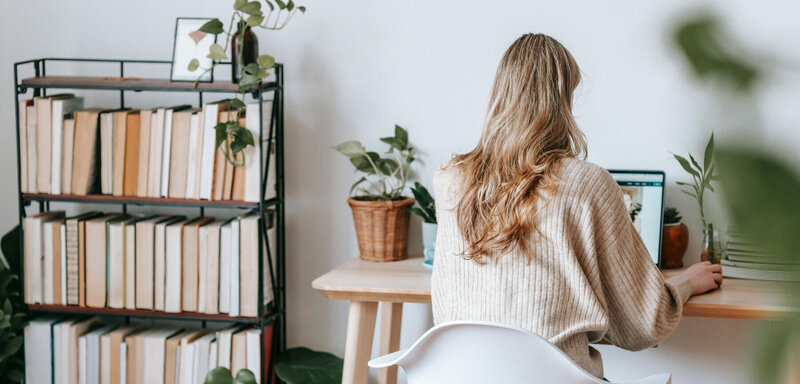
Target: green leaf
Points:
(363, 164)
(213, 27)
(351, 149)
(685, 164)
(244, 376)
(696, 164)
(254, 20)
(689, 193)
(709, 153)
(12, 346)
(215, 52)
(193, 65)
(281, 4)
(682, 183)
(252, 8)
(357, 183)
(238, 4)
(266, 61)
(222, 133)
(219, 375)
(271, 6)
(247, 81)
(16, 376)
(387, 166)
(302, 9)
(290, 5)
(303, 365)
(401, 134)
(237, 104)
(393, 143)
(251, 69)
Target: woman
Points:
(533, 236)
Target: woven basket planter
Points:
(382, 228)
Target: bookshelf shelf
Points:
(108, 199)
(133, 84)
(139, 313)
(39, 78)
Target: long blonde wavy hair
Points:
(529, 128)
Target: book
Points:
(61, 108)
(166, 156)
(86, 154)
(171, 355)
(110, 354)
(51, 243)
(239, 172)
(130, 169)
(120, 145)
(73, 248)
(33, 255)
(186, 371)
(259, 114)
(30, 116)
(173, 266)
(44, 139)
(160, 261)
(60, 349)
(156, 152)
(96, 260)
(227, 180)
(225, 239)
(67, 155)
(190, 250)
(146, 118)
(22, 129)
(235, 306)
(90, 358)
(239, 351)
(741, 270)
(155, 346)
(209, 276)
(253, 352)
(224, 340)
(202, 352)
(118, 263)
(63, 248)
(130, 262)
(107, 152)
(194, 156)
(75, 330)
(38, 348)
(248, 265)
(208, 153)
(145, 260)
(179, 152)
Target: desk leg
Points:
(358, 347)
(391, 320)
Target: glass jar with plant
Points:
(674, 239)
(702, 177)
(380, 211)
(248, 68)
(426, 209)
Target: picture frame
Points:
(189, 43)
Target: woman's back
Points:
(588, 276)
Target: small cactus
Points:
(672, 216)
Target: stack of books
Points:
(162, 263)
(161, 152)
(745, 260)
(82, 350)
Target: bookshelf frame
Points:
(272, 314)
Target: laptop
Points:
(643, 192)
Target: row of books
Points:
(744, 259)
(85, 351)
(163, 263)
(161, 152)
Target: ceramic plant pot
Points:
(674, 241)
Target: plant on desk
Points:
(247, 67)
(674, 239)
(380, 211)
(12, 314)
(702, 176)
(426, 209)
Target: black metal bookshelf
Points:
(273, 314)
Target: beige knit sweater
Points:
(591, 276)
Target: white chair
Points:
(484, 352)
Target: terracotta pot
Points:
(674, 241)
(382, 228)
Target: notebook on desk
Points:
(643, 192)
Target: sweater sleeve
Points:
(642, 307)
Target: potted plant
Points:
(298, 365)
(13, 316)
(426, 209)
(380, 211)
(674, 239)
(702, 176)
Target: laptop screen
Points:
(643, 192)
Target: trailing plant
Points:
(246, 14)
(385, 177)
(672, 216)
(222, 375)
(426, 207)
(13, 317)
(305, 366)
(702, 176)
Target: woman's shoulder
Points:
(584, 175)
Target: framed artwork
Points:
(190, 44)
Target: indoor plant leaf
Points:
(237, 104)
(193, 65)
(305, 366)
(219, 375)
(302, 9)
(685, 164)
(213, 27)
(351, 148)
(401, 134)
(266, 61)
(252, 8)
(215, 52)
(281, 4)
(244, 376)
(709, 154)
(254, 20)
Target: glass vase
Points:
(249, 52)
(712, 248)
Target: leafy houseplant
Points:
(426, 209)
(674, 239)
(304, 366)
(702, 176)
(222, 375)
(12, 313)
(380, 211)
(246, 15)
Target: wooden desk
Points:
(365, 284)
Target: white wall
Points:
(355, 68)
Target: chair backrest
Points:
(485, 352)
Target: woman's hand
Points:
(704, 276)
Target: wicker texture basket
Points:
(382, 228)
